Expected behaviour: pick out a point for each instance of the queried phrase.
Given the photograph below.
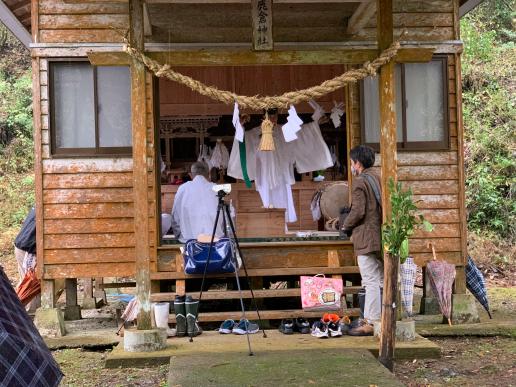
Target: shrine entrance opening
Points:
(192, 126)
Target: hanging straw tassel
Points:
(267, 141)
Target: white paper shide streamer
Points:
(318, 110)
(239, 130)
(336, 113)
(292, 126)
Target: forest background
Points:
(489, 85)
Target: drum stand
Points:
(223, 208)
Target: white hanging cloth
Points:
(310, 151)
(204, 155)
(220, 155)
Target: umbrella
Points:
(476, 284)
(408, 271)
(24, 358)
(130, 312)
(441, 275)
(29, 288)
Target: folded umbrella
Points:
(441, 275)
(130, 313)
(24, 358)
(29, 288)
(476, 284)
(408, 271)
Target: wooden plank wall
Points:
(429, 20)
(176, 99)
(87, 206)
(62, 21)
(75, 22)
(435, 181)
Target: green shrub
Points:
(489, 64)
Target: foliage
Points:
(497, 16)
(16, 138)
(489, 63)
(402, 222)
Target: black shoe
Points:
(286, 327)
(346, 325)
(302, 326)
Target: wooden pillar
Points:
(88, 301)
(168, 159)
(72, 310)
(48, 300)
(140, 183)
(389, 155)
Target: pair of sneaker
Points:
(328, 326)
(242, 327)
(289, 326)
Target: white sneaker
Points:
(320, 330)
(334, 329)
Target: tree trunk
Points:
(389, 313)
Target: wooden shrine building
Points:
(103, 122)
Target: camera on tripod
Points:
(222, 189)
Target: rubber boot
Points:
(180, 311)
(192, 307)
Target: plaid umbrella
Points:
(408, 271)
(441, 275)
(24, 358)
(476, 284)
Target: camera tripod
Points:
(223, 208)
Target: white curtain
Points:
(74, 120)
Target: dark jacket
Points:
(26, 239)
(365, 217)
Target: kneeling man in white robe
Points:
(195, 206)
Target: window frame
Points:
(96, 151)
(405, 145)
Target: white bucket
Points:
(161, 310)
(166, 223)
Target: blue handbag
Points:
(196, 254)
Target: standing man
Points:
(364, 224)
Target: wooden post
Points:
(48, 300)
(140, 183)
(388, 154)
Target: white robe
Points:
(195, 209)
(275, 176)
(273, 172)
